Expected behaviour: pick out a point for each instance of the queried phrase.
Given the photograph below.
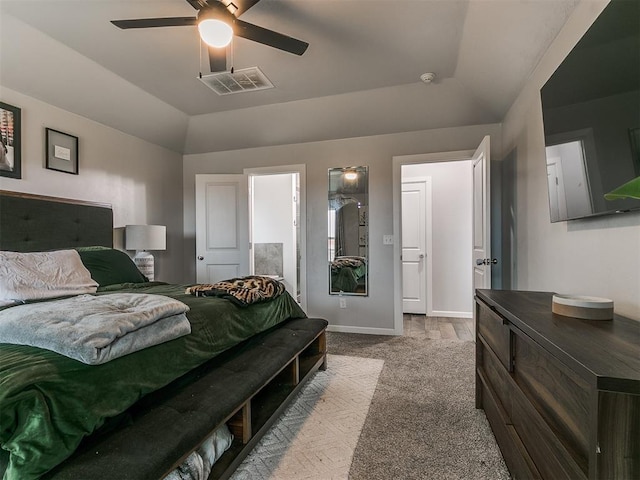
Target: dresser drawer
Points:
(549, 454)
(560, 398)
(496, 376)
(495, 331)
(513, 451)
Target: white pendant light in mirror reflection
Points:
(143, 238)
(215, 33)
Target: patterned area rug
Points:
(318, 433)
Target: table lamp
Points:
(143, 238)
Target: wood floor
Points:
(436, 328)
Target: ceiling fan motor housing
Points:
(216, 11)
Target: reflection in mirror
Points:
(348, 231)
(591, 118)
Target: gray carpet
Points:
(422, 422)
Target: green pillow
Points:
(109, 266)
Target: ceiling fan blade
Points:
(218, 59)
(241, 5)
(269, 37)
(155, 22)
(198, 4)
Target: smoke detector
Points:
(238, 81)
(427, 77)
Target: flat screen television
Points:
(591, 116)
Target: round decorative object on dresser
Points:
(587, 308)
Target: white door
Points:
(481, 218)
(557, 203)
(222, 227)
(571, 177)
(415, 210)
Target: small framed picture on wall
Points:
(62, 152)
(10, 147)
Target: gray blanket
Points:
(95, 329)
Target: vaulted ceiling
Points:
(360, 75)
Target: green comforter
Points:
(347, 279)
(49, 402)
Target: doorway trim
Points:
(397, 162)
(300, 169)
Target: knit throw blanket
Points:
(242, 291)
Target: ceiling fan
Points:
(217, 22)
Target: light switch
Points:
(387, 239)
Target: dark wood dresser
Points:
(561, 394)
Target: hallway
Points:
(438, 328)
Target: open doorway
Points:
(436, 264)
(457, 212)
(276, 217)
(273, 228)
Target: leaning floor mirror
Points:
(348, 231)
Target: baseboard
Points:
(443, 313)
(364, 330)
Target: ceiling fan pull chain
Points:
(200, 57)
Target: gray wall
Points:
(374, 313)
(598, 257)
(140, 180)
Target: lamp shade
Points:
(145, 237)
(215, 33)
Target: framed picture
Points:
(62, 152)
(10, 147)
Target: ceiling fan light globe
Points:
(215, 33)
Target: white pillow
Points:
(39, 275)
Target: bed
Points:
(348, 274)
(191, 406)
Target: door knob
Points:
(486, 261)
(200, 257)
(421, 255)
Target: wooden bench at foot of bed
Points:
(247, 388)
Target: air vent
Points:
(244, 80)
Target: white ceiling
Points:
(362, 66)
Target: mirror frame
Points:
(354, 264)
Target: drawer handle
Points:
(495, 310)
